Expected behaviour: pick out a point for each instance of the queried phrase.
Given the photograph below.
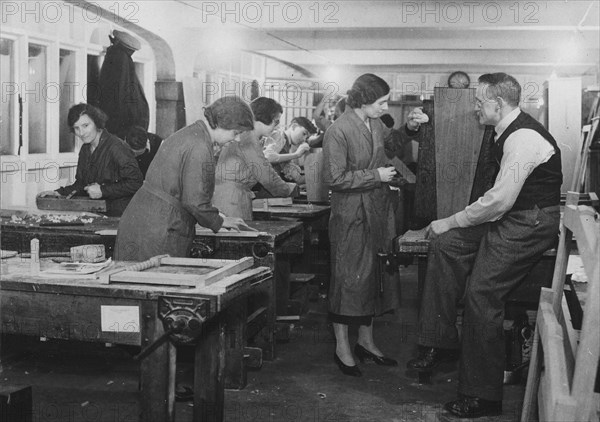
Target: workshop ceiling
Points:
(525, 37)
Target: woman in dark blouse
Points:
(106, 168)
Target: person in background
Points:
(361, 223)
(179, 186)
(106, 167)
(481, 253)
(396, 145)
(283, 148)
(144, 146)
(242, 165)
(121, 95)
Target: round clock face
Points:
(459, 80)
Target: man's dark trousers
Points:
(479, 266)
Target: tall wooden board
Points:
(458, 136)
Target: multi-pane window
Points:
(34, 97)
(8, 103)
(68, 88)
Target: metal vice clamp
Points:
(182, 319)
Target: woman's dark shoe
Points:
(363, 354)
(346, 370)
(473, 407)
(430, 357)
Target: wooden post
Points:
(209, 394)
(157, 371)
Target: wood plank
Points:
(166, 279)
(581, 220)
(552, 338)
(458, 137)
(425, 208)
(202, 231)
(586, 367)
(157, 371)
(196, 262)
(209, 393)
(404, 171)
(230, 269)
(272, 202)
(73, 204)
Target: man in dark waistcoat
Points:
(482, 252)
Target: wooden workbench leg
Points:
(157, 371)
(235, 342)
(209, 392)
(282, 284)
(269, 349)
(421, 273)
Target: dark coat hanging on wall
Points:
(121, 95)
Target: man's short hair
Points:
(136, 138)
(265, 109)
(501, 85)
(305, 123)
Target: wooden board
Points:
(273, 202)
(73, 204)
(425, 208)
(458, 136)
(171, 277)
(404, 171)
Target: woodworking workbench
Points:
(272, 245)
(315, 259)
(136, 313)
(414, 245)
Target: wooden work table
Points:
(84, 309)
(271, 246)
(315, 259)
(413, 244)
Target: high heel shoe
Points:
(363, 354)
(346, 370)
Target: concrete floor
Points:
(91, 383)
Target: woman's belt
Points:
(175, 203)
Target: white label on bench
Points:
(120, 319)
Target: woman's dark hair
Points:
(305, 123)
(230, 113)
(136, 137)
(340, 107)
(265, 109)
(367, 89)
(98, 116)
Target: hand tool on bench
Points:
(82, 253)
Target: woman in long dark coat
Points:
(179, 186)
(106, 167)
(361, 222)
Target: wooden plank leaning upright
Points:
(565, 388)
